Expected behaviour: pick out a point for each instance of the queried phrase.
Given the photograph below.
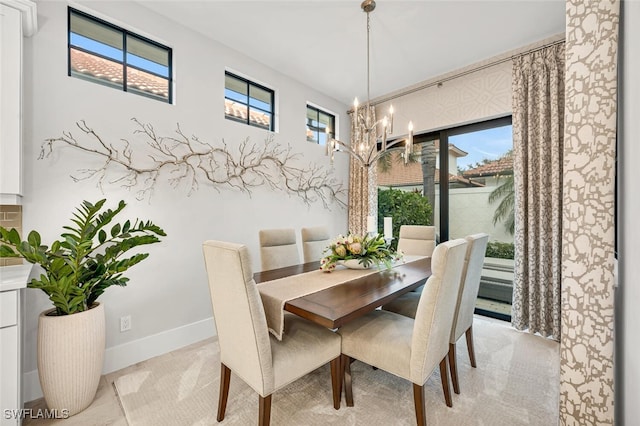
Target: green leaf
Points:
(13, 236)
(6, 251)
(115, 230)
(102, 236)
(34, 239)
(55, 247)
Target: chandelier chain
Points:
(368, 62)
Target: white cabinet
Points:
(13, 279)
(9, 380)
(11, 103)
(17, 19)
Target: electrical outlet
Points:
(125, 323)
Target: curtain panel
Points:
(363, 195)
(538, 135)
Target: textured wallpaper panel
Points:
(586, 364)
(474, 97)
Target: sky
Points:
(490, 144)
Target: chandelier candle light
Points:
(364, 126)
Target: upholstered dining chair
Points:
(406, 347)
(314, 241)
(407, 304)
(278, 248)
(247, 348)
(417, 239)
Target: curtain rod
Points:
(463, 73)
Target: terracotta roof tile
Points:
(111, 72)
(240, 111)
(500, 166)
(411, 174)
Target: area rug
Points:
(516, 383)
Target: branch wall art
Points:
(188, 160)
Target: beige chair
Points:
(246, 347)
(278, 248)
(463, 322)
(314, 241)
(417, 239)
(409, 348)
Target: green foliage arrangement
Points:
(406, 208)
(500, 250)
(87, 260)
(368, 250)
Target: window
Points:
(317, 123)
(248, 102)
(106, 54)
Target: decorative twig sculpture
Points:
(189, 160)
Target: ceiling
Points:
(322, 43)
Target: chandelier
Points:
(368, 135)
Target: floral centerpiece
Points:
(367, 250)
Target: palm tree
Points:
(428, 161)
(505, 211)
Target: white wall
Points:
(168, 297)
(629, 202)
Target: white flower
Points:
(355, 248)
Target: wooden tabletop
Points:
(287, 271)
(337, 305)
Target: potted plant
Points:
(78, 268)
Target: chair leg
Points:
(225, 379)
(264, 410)
(418, 400)
(444, 376)
(453, 367)
(336, 382)
(472, 353)
(346, 368)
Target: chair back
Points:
(314, 241)
(436, 310)
(417, 240)
(278, 248)
(239, 315)
(471, 273)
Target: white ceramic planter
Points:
(354, 264)
(70, 357)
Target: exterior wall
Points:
(168, 292)
(470, 213)
(587, 342)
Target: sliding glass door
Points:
(481, 199)
(466, 175)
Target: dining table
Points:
(332, 299)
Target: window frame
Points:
(250, 83)
(125, 65)
(318, 110)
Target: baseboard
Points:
(121, 356)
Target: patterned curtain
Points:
(538, 134)
(363, 195)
